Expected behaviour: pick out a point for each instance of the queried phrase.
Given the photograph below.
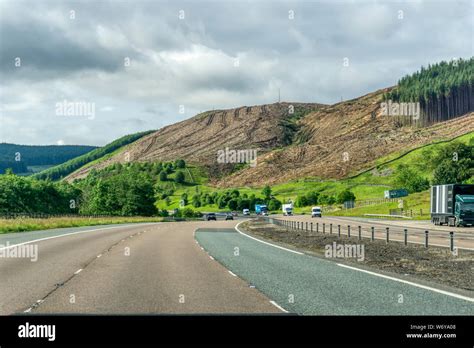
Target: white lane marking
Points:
(78, 271)
(232, 274)
(61, 235)
(261, 241)
(211, 257)
(278, 306)
(470, 299)
(99, 255)
(28, 310)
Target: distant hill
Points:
(89, 158)
(299, 140)
(21, 158)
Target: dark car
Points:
(211, 216)
(229, 217)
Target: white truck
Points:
(287, 209)
(316, 212)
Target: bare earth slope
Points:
(198, 139)
(343, 139)
(332, 141)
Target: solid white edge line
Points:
(61, 235)
(470, 299)
(278, 306)
(261, 241)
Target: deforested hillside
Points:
(343, 139)
(198, 139)
(298, 140)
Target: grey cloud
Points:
(190, 61)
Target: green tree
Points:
(301, 201)
(267, 192)
(274, 204)
(345, 196)
(233, 204)
(179, 178)
(163, 176)
(184, 198)
(409, 179)
(450, 172)
(180, 164)
(196, 201)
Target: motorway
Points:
(150, 268)
(198, 267)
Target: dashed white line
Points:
(470, 299)
(99, 255)
(28, 310)
(78, 271)
(232, 274)
(211, 257)
(278, 306)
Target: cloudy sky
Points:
(140, 65)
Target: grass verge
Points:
(30, 224)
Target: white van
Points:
(316, 212)
(246, 212)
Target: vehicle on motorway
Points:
(229, 217)
(452, 204)
(246, 212)
(261, 209)
(287, 209)
(211, 216)
(316, 212)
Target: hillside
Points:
(68, 167)
(344, 139)
(21, 158)
(330, 142)
(198, 139)
(298, 140)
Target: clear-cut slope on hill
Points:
(198, 139)
(316, 140)
(344, 139)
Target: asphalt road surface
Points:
(168, 268)
(149, 268)
(310, 285)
